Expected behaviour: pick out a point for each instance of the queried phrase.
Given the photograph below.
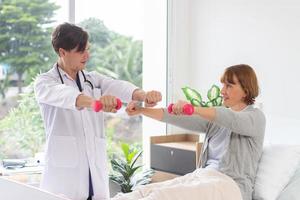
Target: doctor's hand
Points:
(109, 103)
(152, 98)
(133, 108)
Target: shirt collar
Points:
(62, 72)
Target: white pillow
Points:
(277, 166)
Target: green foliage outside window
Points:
(25, 46)
(112, 54)
(22, 131)
(25, 36)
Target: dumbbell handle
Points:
(97, 105)
(188, 109)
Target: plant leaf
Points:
(125, 149)
(213, 92)
(117, 179)
(218, 101)
(191, 94)
(131, 172)
(131, 156)
(209, 104)
(118, 166)
(195, 102)
(136, 158)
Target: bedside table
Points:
(160, 176)
(174, 154)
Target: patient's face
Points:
(233, 94)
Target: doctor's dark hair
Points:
(69, 36)
(246, 78)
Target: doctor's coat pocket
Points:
(63, 152)
(100, 153)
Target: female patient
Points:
(234, 133)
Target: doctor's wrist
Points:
(83, 101)
(138, 95)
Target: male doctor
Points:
(75, 141)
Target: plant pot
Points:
(113, 188)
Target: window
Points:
(25, 51)
(116, 38)
(128, 43)
(116, 35)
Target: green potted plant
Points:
(213, 95)
(126, 172)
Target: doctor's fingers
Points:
(150, 104)
(109, 109)
(153, 97)
(114, 110)
(108, 101)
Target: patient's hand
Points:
(133, 108)
(177, 108)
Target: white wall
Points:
(261, 33)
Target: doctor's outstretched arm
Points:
(48, 91)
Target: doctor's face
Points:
(76, 60)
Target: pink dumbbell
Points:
(97, 105)
(188, 109)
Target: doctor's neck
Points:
(68, 69)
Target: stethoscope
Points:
(77, 79)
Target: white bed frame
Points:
(11, 190)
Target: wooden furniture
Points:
(174, 155)
(160, 176)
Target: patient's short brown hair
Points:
(247, 79)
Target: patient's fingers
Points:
(178, 107)
(133, 108)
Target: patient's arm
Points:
(193, 123)
(206, 113)
(134, 109)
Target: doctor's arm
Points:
(49, 91)
(125, 90)
(151, 98)
(83, 101)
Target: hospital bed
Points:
(278, 178)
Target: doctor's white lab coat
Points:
(75, 140)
